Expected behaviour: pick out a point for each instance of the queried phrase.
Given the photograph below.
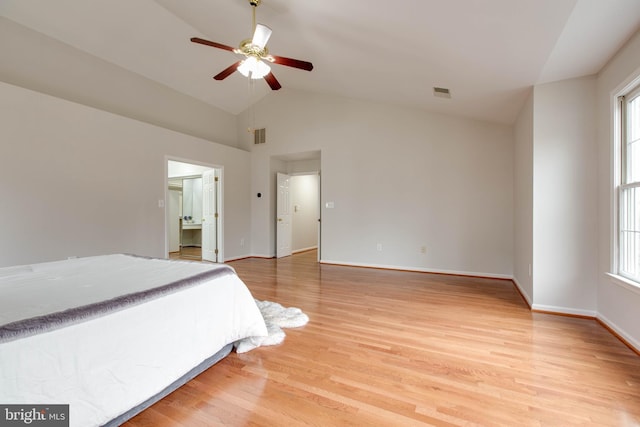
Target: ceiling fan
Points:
(256, 55)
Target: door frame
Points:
(282, 166)
(220, 199)
(319, 212)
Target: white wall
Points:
(523, 201)
(564, 196)
(305, 198)
(77, 181)
(618, 306)
(35, 61)
(400, 177)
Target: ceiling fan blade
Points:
(295, 63)
(274, 84)
(261, 36)
(227, 71)
(210, 43)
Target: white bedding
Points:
(105, 365)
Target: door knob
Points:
(279, 219)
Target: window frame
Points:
(621, 184)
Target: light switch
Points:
(329, 205)
(160, 203)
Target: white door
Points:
(283, 217)
(209, 216)
(174, 220)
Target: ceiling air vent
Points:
(441, 92)
(259, 136)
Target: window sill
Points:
(624, 282)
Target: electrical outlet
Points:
(423, 249)
(242, 242)
(379, 247)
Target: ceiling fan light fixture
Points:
(261, 36)
(254, 68)
(255, 65)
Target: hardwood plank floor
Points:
(192, 253)
(391, 348)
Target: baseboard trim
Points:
(299, 251)
(565, 311)
(611, 327)
(522, 293)
(238, 258)
(619, 333)
(420, 270)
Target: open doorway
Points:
(297, 182)
(194, 211)
(305, 196)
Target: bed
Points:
(110, 335)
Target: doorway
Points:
(194, 211)
(298, 213)
(297, 193)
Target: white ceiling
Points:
(487, 52)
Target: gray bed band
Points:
(206, 364)
(48, 322)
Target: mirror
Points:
(192, 201)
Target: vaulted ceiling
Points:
(487, 52)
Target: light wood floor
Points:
(389, 348)
(192, 253)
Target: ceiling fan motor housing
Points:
(249, 49)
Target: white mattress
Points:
(105, 365)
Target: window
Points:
(629, 188)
